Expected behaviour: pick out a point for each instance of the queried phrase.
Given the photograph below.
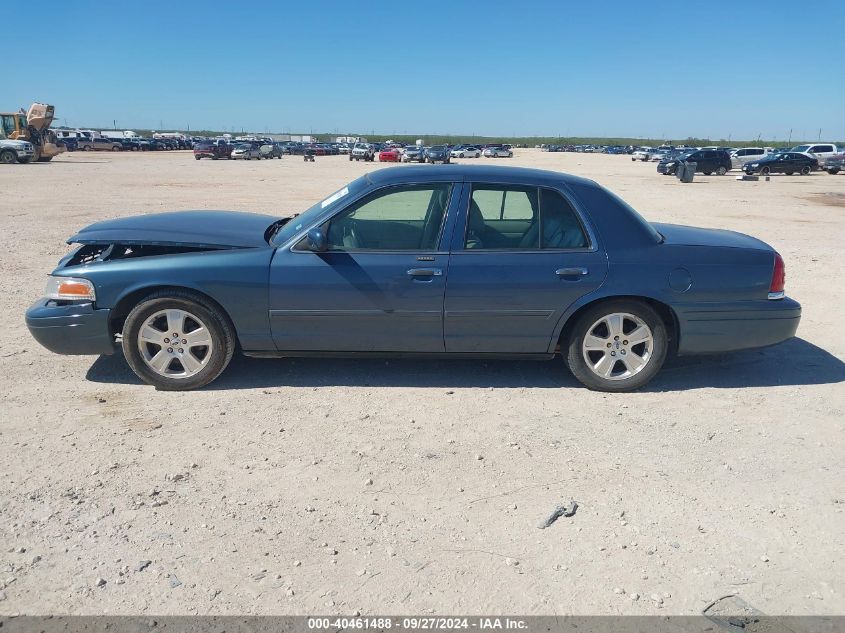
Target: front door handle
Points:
(578, 271)
(425, 272)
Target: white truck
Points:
(15, 151)
(821, 151)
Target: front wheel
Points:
(8, 157)
(765, 171)
(805, 170)
(833, 171)
(177, 341)
(617, 346)
(721, 171)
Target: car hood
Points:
(680, 235)
(184, 228)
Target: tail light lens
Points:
(776, 289)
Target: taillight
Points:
(778, 279)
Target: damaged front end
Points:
(94, 253)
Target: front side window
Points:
(399, 219)
(521, 218)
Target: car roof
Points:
(428, 173)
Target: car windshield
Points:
(289, 227)
(801, 148)
(437, 148)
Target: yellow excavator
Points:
(33, 126)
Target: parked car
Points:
(106, 144)
(819, 151)
(15, 151)
(643, 154)
(482, 260)
(389, 155)
(739, 157)
(466, 151)
(245, 151)
(344, 148)
(212, 150)
(707, 161)
(502, 151)
(413, 154)
(84, 143)
(784, 163)
(437, 154)
(270, 150)
(834, 164)
(363, 151)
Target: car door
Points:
(379, 285)
(521, 255)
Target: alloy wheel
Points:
(175, 343)
(618, 346)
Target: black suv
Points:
(707, 161)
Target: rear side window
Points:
(521, 218)
(504, 204)
(559, 225)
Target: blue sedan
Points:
(461, 261)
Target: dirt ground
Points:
(405, 487)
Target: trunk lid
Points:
(681, 235)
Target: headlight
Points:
(69, 289)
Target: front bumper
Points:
(717, 327)
(76, 328)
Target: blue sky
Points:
(667, 70)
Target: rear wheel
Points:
(177, 341)
(805, 170)
(617, 346)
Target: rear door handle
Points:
(578, 271)
(425, 272)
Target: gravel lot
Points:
(336, 486)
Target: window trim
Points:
(453, 187)
(592, 244)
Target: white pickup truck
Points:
(15, 151)
(821, 151)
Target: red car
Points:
(389, 155)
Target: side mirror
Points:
(317, 241)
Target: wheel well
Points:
(667, 315)
(118, 314)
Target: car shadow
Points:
(795, 362)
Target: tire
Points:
(789, 173)
(150, 312)
(721, 171)
(8, 157)
(833, 172)
(805, 170)
(707, 173)
(197, 157)
(765, 171)
(631, 315)
(23, 161)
